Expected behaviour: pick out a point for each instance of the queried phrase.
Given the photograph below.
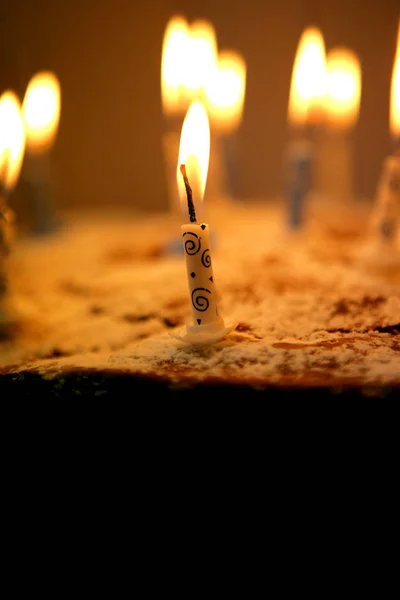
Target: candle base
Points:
(203, 335)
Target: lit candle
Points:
(385, 216)
(41, 114)
(207, 324)
(12, 142)
(335, 152)
(174, 99)
(305, 110)
(174, 52)
(12, 145)
(188, 60)
(225, 99)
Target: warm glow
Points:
(173, 65)
(343, 88)
(308, 85)
(226, 91)
(41, 111)
(194, 152)
(395, 93)
(12, 139)
(201, 59)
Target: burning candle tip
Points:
(189, 194)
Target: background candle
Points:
(12, 142)
(188, 61)
(225, 99)
(41, 114)
(12, 145)
(207, 323)
(386, 213)
(307, 93)
(335, 168)
(174, 97)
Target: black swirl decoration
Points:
(192, 245)
(199, 300)
(206, 258)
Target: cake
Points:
(96, 308)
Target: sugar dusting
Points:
(101, 296)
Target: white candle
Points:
(226, 92)
(207, 324)
(385, 215)
(187, 64)
(335, 169)
(307, 92)
(12, 145)
(41, 114)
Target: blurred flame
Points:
(308, 85)
(41, 111)
(226, 90)
(395, 92)
(343, 88)
(173, 65)
(201, 59)
(12, 139)
(194, 152)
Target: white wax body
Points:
(202, 290)
(385, 216)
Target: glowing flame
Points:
(194, 152)
(395, 92)
(343, 88)
(12, 139)
(41, 111)
(226, 91)
(173, 65)
(201, 57)
(308, 85)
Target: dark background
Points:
(107, 55)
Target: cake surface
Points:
(108, 294)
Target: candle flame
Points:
(226, 91)
(343, 88)
(41, 111)
(201, 58)
(395, 92)
(194, 153)
(12, 139)
(308, 85)
(173, 65)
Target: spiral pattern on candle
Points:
(206, 258)
(199, 300)
(191, 246)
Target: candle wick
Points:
(189, 194)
